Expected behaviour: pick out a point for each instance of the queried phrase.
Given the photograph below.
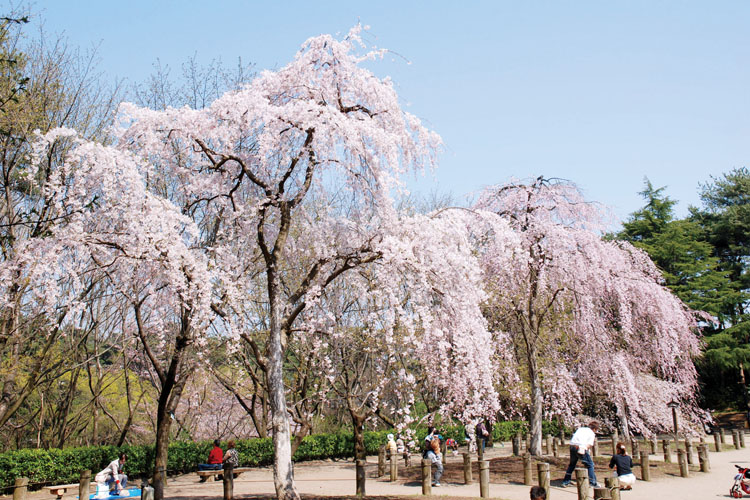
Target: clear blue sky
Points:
(601, 93)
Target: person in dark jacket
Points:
(537, 493)
(482, 434)
(624, 465)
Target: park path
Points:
(337, 478)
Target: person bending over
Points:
(580, 444)
(112, 476)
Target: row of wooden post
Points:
(610, 491)
(21, 487)
(484, 476)
(554, 445)
(684, 458)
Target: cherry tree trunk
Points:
(535, 411)
(535, 416)
(624, 425)
(163, 425)
(283, 472)
(360, 454)
(359, 436)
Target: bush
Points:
(55, 466)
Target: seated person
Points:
(452, 445)
(232, 457)
(215, 458)
(112, 476)
(624, 465)
(391, 448)
(401, 449)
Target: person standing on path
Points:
(482, 434)
(434, 455)
(580, 444)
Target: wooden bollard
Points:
(467, 469)
(361, 477)
(582, 483)
(721, 435)
(703, 458)
(426, 477)
(555, 449)
(645, 470)
(682, 460)
(516, 441)
(22, 486)
(548, 443)
(528, 469)
(381, 461)
(741, 433)
(444, 447)
(736, 439)
(652, 443)
(407, 459)
(83, 484)
(595, 448)
(484, 479)
(667, 454)
(614, 445)
(542, 469)
(228, 481)
(689, 450)
(394, 468)
(613, 485)
(717, 442)
(602, 494)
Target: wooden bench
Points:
(60, 489)
(204, 474)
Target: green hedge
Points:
(501, 431)
(55, 466)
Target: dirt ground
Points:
(510, 470)
(334, 480)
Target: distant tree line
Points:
(705, 260)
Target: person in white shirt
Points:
(112, 475)
(580, 444)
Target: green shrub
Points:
(55, 466)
